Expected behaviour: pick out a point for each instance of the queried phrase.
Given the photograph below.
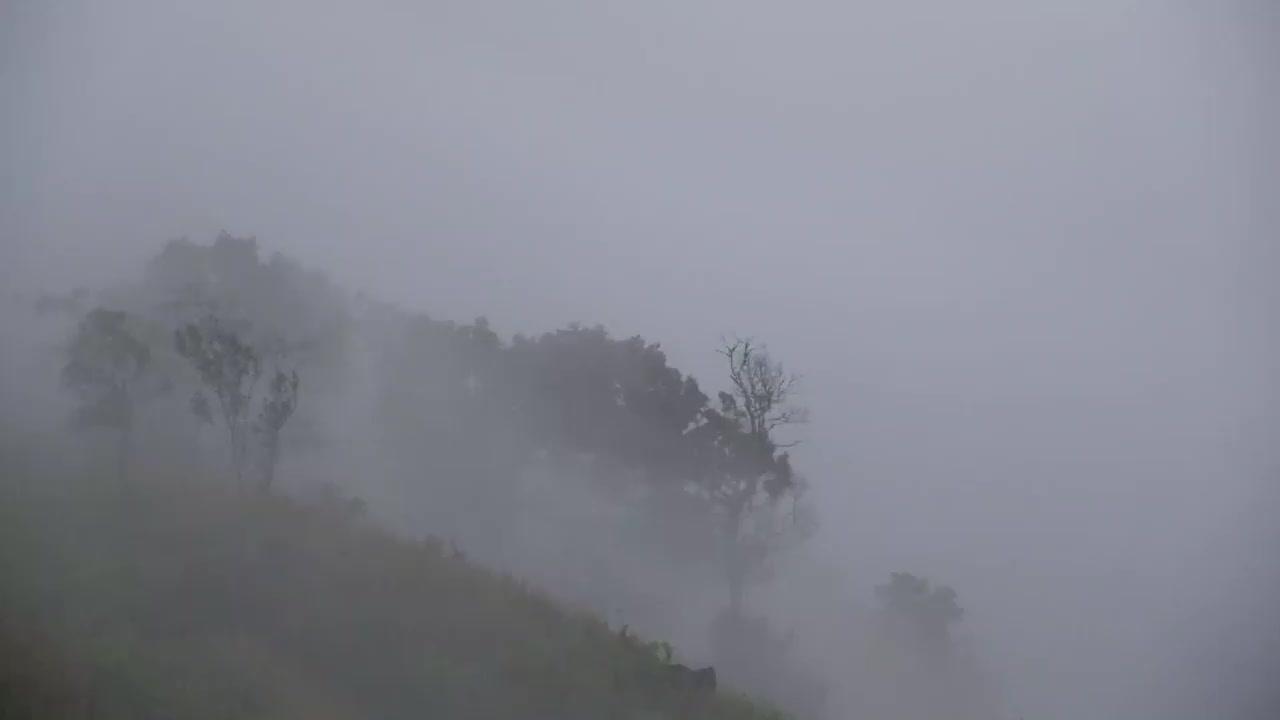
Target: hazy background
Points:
(1024, 256)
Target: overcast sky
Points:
(1020, 252)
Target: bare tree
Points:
(752, 472)
(763, 389)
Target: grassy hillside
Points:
(177, 601)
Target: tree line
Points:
(234, 340)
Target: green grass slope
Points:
(184, 602)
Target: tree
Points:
(106, 361)
(746, 470)
(445, 411)
(920, 612)
(615, 400)
(229, 369)
(273, 303)
(918, 668)
(277, 408)
(762, 391)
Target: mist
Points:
(1022, 257)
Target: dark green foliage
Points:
(619, 398)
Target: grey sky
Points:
(1014, 248)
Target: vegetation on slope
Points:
(173, 599)
(582, 459)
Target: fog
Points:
(1023, 258)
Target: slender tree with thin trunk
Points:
(278, 406)
(229, 369)
(753, 471)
